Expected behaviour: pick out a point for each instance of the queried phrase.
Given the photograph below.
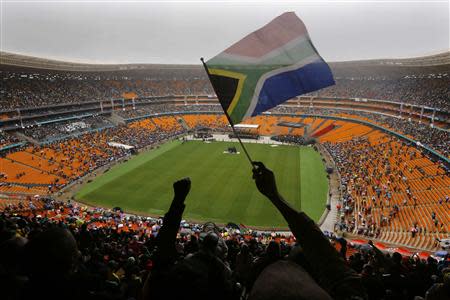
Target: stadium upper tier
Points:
(48, 127)
(35, 82)
(388, 184)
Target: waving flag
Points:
(267, 67)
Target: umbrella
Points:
(445, 244)
(441, 253)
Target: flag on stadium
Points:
(267, 67)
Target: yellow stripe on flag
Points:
(240, 77)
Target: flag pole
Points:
(228, 116)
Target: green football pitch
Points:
(222, 188)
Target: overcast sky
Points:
(183, 31)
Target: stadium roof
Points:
(18, 60)
(424, 61)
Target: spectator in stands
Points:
(440, 290)
(51, 261)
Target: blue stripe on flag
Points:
(284, 86)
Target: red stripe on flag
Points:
(277, 33)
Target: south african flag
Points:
(268, 67)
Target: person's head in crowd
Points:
(51, 254)
(209, 243)
(11, 254)
(273, 250)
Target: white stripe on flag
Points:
(263, 78)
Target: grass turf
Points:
(222, 187)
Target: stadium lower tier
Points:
(390, 190)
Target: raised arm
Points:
(167, 235)
(329, 269)
(165, 252)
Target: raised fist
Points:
(182, 187)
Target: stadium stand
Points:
(385, 124)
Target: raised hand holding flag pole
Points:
(266, 68)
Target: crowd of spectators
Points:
(7, 139)
(53, 131)
(74, 158)
(435, 138)
(290, 139)
(375, 190)
(201, 108)
(22, 89)
(137, 113)
(69, 251)
(151, 109)
(431, 92)
(139, 137)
